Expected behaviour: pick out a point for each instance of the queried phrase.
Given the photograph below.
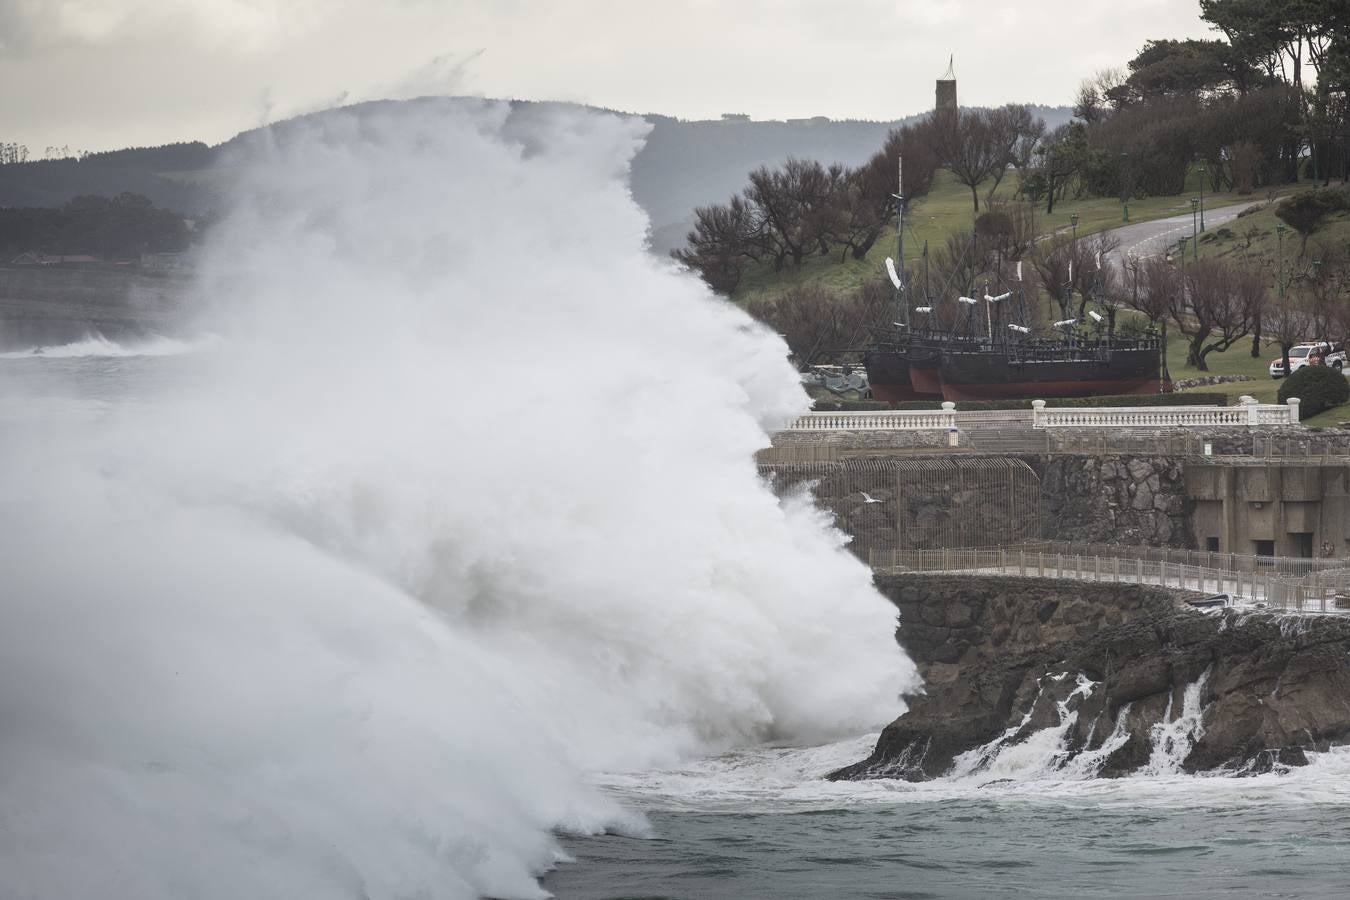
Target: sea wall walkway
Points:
(1267, 582)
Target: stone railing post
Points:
(1037, 413)
(1253, 409)
(1293, 410)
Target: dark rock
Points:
(1126, 664)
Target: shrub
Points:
(1306, 211)
(1317, 388)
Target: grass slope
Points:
(947, 210)
(1253, 239)
(1237, 360)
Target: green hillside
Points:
(947, 210)
(1254, 237)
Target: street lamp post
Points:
(1073, 255)
(1202, 197)
(1195, 236)
(1279, 256)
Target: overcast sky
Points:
(98, 74)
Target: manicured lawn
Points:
(1253, 238)
(1237, 360)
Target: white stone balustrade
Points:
(882, 420)
(1248, 412)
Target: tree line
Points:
(804, 208)
(121, 227)
(1264, 104)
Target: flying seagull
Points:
(868, 498)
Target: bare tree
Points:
(1111, 86)
(1053, 260)
(1152, 287)
(1060, 162)
(1014, 132)
(811, 317)
(793, 203)
(1008, 227)
(871, 188)
(1090, 265)
(1214, 310)
(1028, 140)
(971, 147)
(723, 239)
(957, 266)
(1289, 322)
(1088, 103)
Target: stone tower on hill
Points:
(946, 88)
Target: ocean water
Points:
(762, 824)
(970, 847)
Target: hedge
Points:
(1317, 388)
(1188, 398)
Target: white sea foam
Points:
(96, 345)
(1173, 737)
(788, 780)
(461, 507)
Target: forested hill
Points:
(166, 175)
(684, 163)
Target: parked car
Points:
(1320, 353)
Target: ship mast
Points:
(902, 297)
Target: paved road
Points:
(1151, 238)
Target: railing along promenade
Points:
(1324, 590)
(1247, 413)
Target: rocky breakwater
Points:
(1030, 676)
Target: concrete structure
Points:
(946, 90)
(1271, 507)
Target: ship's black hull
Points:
(888, 375)
(1012, 373)
(987, 376)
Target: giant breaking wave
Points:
(460, 507)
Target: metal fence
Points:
(1327, 448)
(1230, 562)
(1100, 443)
(1323, 591)
(906, 443)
